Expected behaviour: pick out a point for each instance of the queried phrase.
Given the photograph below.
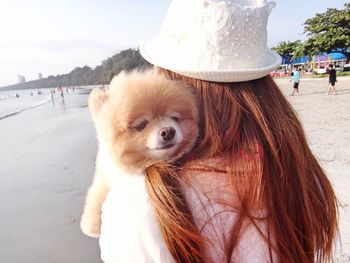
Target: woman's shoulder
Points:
(210, 178)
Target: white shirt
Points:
(130, 230)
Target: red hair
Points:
(252, 127)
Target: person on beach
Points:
(296, 80)
(250, 190)
(332, 79)
(60, 90)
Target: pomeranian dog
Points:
(142, 119)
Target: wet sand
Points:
(46, 165)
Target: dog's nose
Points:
(167, 133)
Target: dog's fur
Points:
(142, 119)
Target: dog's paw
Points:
(91, 225)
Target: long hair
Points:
(252, 124)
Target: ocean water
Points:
(11, 105)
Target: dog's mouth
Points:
(166, 146)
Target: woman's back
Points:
(216, 208)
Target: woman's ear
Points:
(97, 98)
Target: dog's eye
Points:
(142, 125)
(174, 118)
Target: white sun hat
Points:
(214, 40)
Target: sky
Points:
(53, 37)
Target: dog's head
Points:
(144, 118)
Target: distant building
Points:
(21, 78)
(40, 76)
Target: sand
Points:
(326, 120)
(47, 162)
(46, 165)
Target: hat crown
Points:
(216, 40)
(215, 32)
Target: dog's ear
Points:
(97, 98)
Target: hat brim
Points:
(270, 62)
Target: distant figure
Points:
(31, 93)
(60, 90)
(296, 80)
(73, 89)
(17, 95)
(332, 79)
(67, 90)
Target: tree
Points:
(329, 31)
(300, 51)
(290, 49)
(287, 48)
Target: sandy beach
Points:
(47, 161)
(46, 165)
(326, 121)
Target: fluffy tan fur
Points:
(142, 119)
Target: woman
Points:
(251, 190)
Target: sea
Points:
(13, 102)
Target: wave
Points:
(4, 97)
(28, 106)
